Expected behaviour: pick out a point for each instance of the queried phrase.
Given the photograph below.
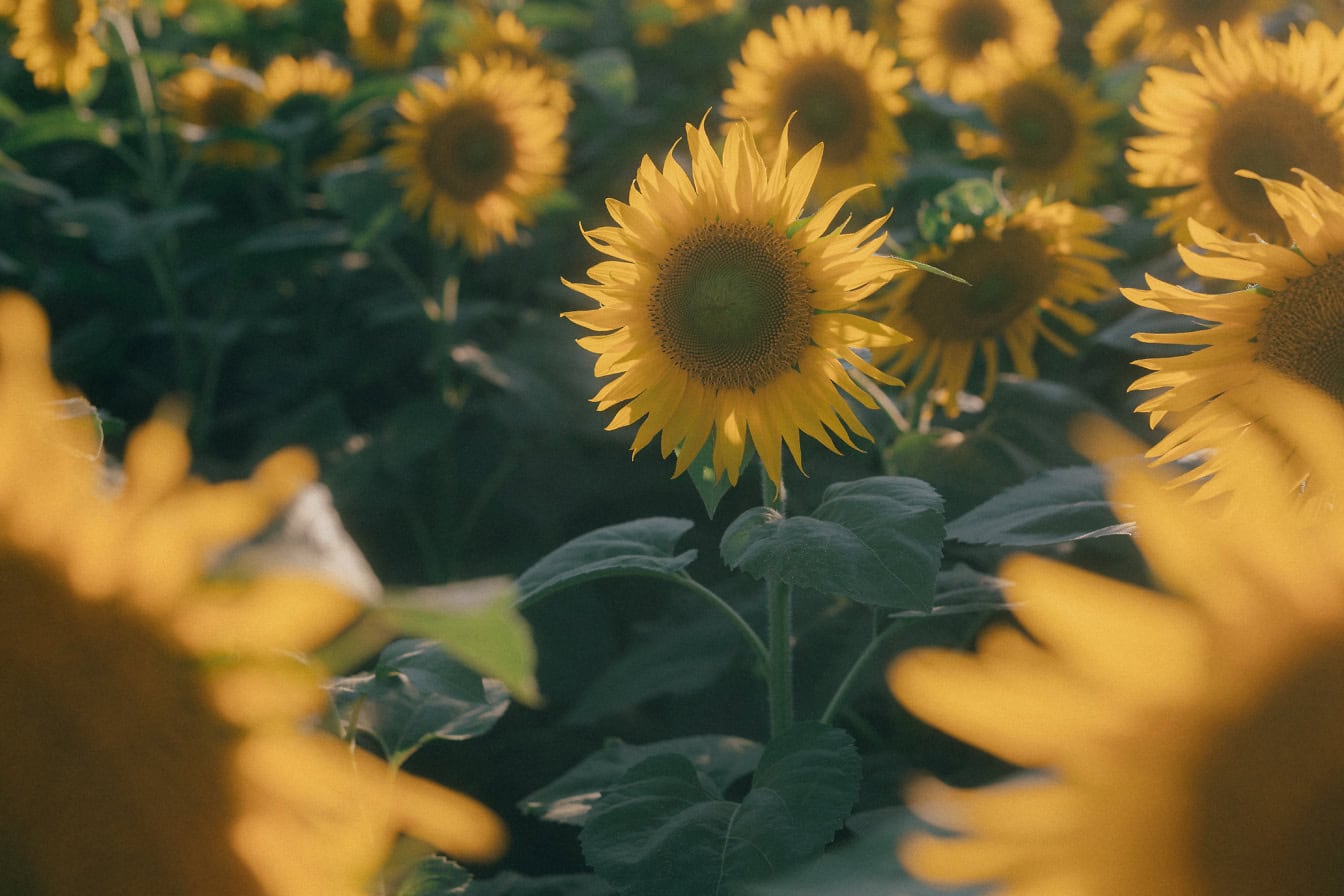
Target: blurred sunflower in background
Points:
(486, 36)
(947, 40)
(1022, 267)
(1045, 124)
(287, 77)
(1290, 320)
(1187, 737)
(162, 737)
(1261, 105)
(723, 314)
(835, 85)
(479, 151)
(57, 42)
(383, 33)
(212, 98)
(656, 20)
(1167, 31)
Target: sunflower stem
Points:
(779, 599)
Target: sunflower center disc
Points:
(1007, 276)
(1271, 134)
(63, 16)
(467, 152)
(967, 26)
(1269, 803)
(1302, 331)
(226, 105)
(731, 305)
(386, 22)
(833, 108)
(1037, 125)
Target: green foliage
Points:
(1063, 504)
(665, 828)
(434, 876)
(641, 547)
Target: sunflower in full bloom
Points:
(1168, 30)
(1045, 132)
(216, 95)
(161, 718)
(383, 33)
(1290, 319)
(722, 313)
(1022, 267)
(1186, 737)
(947, 40)
(836, 84)
(1265, 106)
(57, 43)
(479, 151)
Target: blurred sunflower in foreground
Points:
(213, 97)
(723, 313)
(1188, 737)
(159, 738)
(1167, 31)
(57, 43)
(1045, 132)
(947, 40)
(1262, 105)
(480, 150)
(836, 84)
(1290, 320)
(1021, 266)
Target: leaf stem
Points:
(749, 633)
(837, 702)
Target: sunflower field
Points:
(671, 448)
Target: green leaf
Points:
(567, 799)
(59, 123)
(297, 234)
(639, 547)
(509, 883)
(435, 876)
(609, 74)
(877, 541)
(1059, 505)
(665, 829)
(365, 192)
(416, 693)
(709, 483)
(478, 623)
(116, 232)
(965, 202)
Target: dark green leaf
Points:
(366, 194)
(609, 74)
(567, 799)
(298, 234)
(639, 547)
(416, 693)
(709, 483)
(877, 540)
(508, 883)
(59, 123)
(665, 829)
(1055, 506)
(435, 876)
(478, 623)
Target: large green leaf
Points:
(1059, 505)
(417, 693)
(877, 540)
(478, 623)
(509, 883)
(567, 799)
(665, 829)
(639, 547)
(435, 876)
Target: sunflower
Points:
(286, 77)
(1266, 106)
(479, 151)
(656, 20)
(1187, 737)
(215, 96)
(56, 41)
(1168, 30)
(382, 32)
(1023, 266)
(947, 39)
(505, 35)
(722, 312)
(839, 87)
(1291, 320)
(158, 741)
(1045, 123)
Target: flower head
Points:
(163, 739)
(722, 313)
(57, 43)
(835, 85)
(479, 150)
(1168, 30)
(1262, 105)
(1022, 267)
(1186, 737)
(383, 33)
(1290, 320)
(214, 96)
(311, 76)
